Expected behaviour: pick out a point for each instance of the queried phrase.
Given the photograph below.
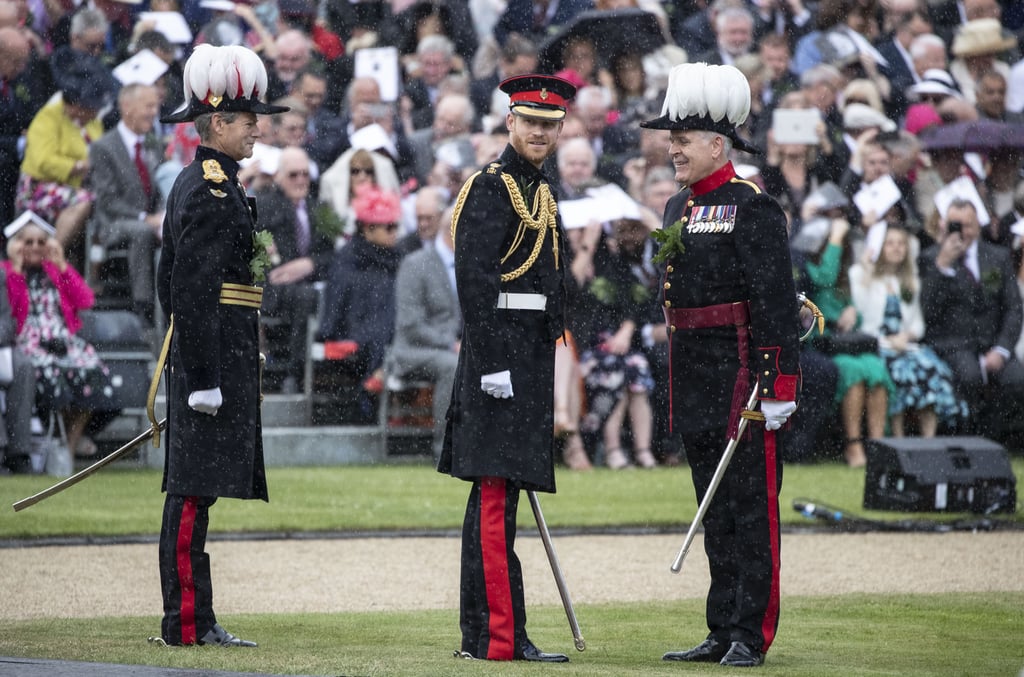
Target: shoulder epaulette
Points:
(736, 179)
(460, 200)
(212, 171)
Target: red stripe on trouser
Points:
(185, 579)
(771, 614)
(494, 552)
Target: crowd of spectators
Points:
(863, 108)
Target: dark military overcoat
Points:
(735, 250)
(207, 241)
(490, 437)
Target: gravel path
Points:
(375, 574)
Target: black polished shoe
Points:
(218, 636)
(531, 653)
(742, 655)
(708, 651)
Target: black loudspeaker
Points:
(939, 474)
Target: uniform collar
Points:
(715, 179)
(229, 165)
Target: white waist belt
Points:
(513, 301)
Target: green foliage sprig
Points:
(603, 290)
(671, 240)
(328, 222)
(260, 263)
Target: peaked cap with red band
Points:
(538, 96)
(228, 79)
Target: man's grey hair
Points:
(961, 203)
(435, 43)
(657, 175)
(204, 123)
(463, 104)
(730, 13)
(130, 92)
(352, 86)
(822, 73)
(920, 45)
(88, 20)
(578, 143)
(593, 95)
(709, 136)
(427, 194)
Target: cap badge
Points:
(544, 94)
(215, 100)
(213, 172)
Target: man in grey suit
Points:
(973, 314)
(447, 139)
(428, 324)
(303, 256)
(19, 394)
(128, 205)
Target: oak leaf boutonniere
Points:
(671, 240)
(263, 251)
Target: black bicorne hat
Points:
(708, 98)
(227, 79)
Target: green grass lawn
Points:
(942, 634)
(848, 636)
(120, 501)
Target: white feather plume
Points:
(714, 96)
(737, 94)
(700, 89)
(219, 66)
(671, 86)
(252, 74)
(685, 95)
(232, 77)
(196, 74)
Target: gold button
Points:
(672, 328)
(767, 373)
(685, 219)
(668, 285)
(765, 391)
(767, 356)
(689, 203)
(668, 304)
(669, 269)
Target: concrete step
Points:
(287, 439)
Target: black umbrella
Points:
(981, 136)
(613, 32)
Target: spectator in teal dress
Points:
(864, 387)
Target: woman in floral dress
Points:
(46, 295)
(887, 296)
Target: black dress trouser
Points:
(492, 608)
(741, 534)
(185, 569)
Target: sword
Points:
(716, 479)
(556, 569)
(86, 472)
(748, 412)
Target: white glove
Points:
(498, 384)
(206, 401)
(776, 412)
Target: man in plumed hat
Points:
(509, 268)
(730, 306)
(212, 259)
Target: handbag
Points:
(848, 343)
